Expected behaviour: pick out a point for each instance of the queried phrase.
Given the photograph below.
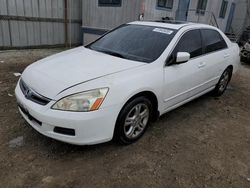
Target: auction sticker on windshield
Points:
(165, 31)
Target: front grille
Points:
(32, 95)
(30, 117)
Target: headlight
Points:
(82, 102)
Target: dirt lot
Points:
(205, 143)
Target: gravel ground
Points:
(205, 143)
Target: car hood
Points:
(56, 73)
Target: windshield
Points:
(135, 42)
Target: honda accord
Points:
(115, 86)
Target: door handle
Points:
(226, 55)
(202, 64)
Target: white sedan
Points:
(115, 86)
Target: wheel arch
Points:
(231, 67)
(149, 95)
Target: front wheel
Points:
(223, 82)
(133, 120)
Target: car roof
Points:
(170, 24)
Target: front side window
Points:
(201, 7)
(223, 9)
(190, 42)
(109, 2)
(135, 42)
(212, 40)
(165, 4)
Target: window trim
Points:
(166, 64)
(223, 9)
(164, 7)
(109, 4)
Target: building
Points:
(241, 16)
(99, 16)
(50, 23)
(40, 23)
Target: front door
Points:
(182, 11)
(182, 81)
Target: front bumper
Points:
(88, 127)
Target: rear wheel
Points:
(223, 82)
(133, 120)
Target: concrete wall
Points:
(240, 17)
(213, 7)
(222, 22)
(97, 18)
(152, 12)
(105, 18)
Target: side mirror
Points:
(182, 57)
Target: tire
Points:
(133, 120)
(223, 82)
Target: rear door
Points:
(182, 81)
(216, 55)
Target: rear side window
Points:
(212, 40)
(190, 42)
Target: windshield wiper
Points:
(113, 53)
(107, 52)
(117, 54)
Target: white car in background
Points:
(115, 86)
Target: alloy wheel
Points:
(224, 81)
(136, 121)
